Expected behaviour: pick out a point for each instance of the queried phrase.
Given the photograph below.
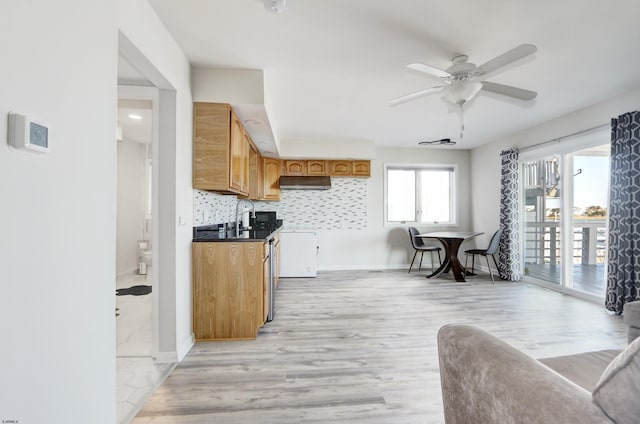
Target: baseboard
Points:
(169, 357)
(376, 267)
(186, 346)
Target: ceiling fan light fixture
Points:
(274, 6)
(461, 92)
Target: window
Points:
(420, 194)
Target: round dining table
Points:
(451, 241)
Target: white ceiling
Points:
(136, 130)
(331, 66)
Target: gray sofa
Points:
(486, 380)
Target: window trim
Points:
(454, 194)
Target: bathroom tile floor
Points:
(137, 374)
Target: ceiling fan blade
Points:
(427, 69)
(416, 95)
(504, 59)
(507, 90)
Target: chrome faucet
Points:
(253, 213)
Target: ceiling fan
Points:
(462, 78)
(441, 142)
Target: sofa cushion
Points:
(631, 314)
(618, 390)
(583, 369)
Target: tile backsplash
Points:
(211, 208)
(343, 206)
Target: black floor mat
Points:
(134, 290)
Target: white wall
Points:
(485, 160)
(130, 201)
(327, 149)
(57, 220)
(380, 247)
(235, 86)
(145, 42)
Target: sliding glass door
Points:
(590, 201)
(565, 218)
(542, 216)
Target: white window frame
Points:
(453, 195)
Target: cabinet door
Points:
(340, 168)
(260, 183)
(361, 168)
(253, 173)
(227, 290)
(239, 156)
(271, 179)
(211, 154)
(317, 167)
(294, 167)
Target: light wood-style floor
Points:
(360, 347)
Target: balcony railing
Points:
(542, 242)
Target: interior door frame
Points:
(129, 92)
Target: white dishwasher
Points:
(298, 253)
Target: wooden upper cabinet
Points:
(260, 182)
(317, 167)
(361, 168)
(211, 147)
(294, 167)
(271, 181)
(340, 168)
(239, 156)
(254, 168)
(220, 150)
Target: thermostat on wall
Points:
(24, 133)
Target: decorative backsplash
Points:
(343, 206)
(211, 208)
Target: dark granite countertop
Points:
(210, 233)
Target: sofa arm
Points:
(485, 380)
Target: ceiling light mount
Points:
(254, 121)
(275, 6)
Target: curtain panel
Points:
(623, 269)
(509, 253)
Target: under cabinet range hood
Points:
(305, 183)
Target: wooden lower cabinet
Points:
(228, 289)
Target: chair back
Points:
(416, 242)
(494, 244)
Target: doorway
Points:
(138, 370)
(133, 229)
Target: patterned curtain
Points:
(623, 271)
(509, 254)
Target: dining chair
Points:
(419, 246)
(494, 244)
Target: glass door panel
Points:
(542, 217)
(590, 200)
